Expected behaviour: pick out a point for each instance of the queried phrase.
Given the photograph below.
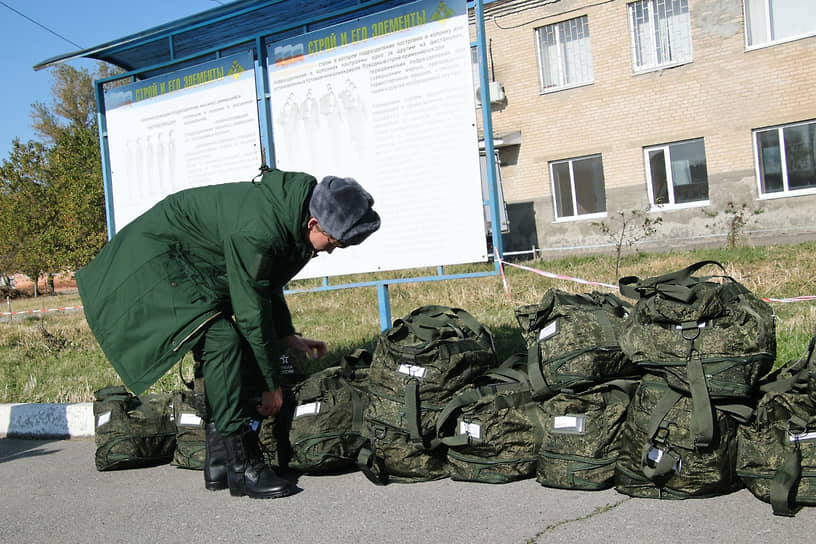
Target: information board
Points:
(189, 128)
(388, 100)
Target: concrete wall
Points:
(720, 96)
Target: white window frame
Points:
(585, 55)
(573, 193)
(679, 58)
(786, 192)
(765, 16)
(671, 204)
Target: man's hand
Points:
(314, 349)
(271, 402)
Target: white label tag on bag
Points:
(473, 430)
(804, 436)
(412, 370)
(308, 409)
(186, 418)
(103, 418)
(700, 325)
(568, 424)
(548, 330)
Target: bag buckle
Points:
(655, 455)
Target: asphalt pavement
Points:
(51, 492)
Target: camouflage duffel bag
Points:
(390, 453)
(131, 431)
(417, 366)
(776, 452)
(191, 439)
(709, 337)
(659, 457)
(325, 431)
(573, 340)
(709, 329)
(318, 427)
(582, 436)
(493, 428)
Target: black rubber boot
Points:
(248, 474)
(215, 460)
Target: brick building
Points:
(677, 109)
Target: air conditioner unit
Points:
(496, 93)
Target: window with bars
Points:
(578, 187)
(564, 54)
(676, 173)
(660, 33)
(771, 21)
(786, 159)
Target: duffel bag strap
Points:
(602, 316)
(541, 391)
(783, 485)
(658, 460)
(357, 407)
(465, 398)
(520, 395)
(676, 285)
(702, 418)
(413, 418)
(786, 478)
(370, 467)
(360, 358)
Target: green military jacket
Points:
(197, 255)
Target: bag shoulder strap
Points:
(511, 394)
(675, 284)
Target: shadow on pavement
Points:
(13, 448)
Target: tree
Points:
(75, 177)
(51, 198)
(74, 103)
(628, 228)
(24, 209)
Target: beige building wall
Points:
(720, 96)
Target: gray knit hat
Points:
(343, 209)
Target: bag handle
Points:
(798, 381)
(676, 285)
(669, 462)
(371, 468)
(541, 390)
(702, 417)
(470, 397)
(786, 478)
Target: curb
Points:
(47, 421)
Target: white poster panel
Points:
(191, 128)
(388, 99)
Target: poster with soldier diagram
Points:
(193, 127)
(387, 99)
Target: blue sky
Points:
(86, 23)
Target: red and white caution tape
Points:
(597, 283)
(559, 276)
(793, 299)
(501, 269)
(42, 311)
(502, 262)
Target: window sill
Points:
(551, 90)
(651, 69)
(787, 194)
(765, 45)
(583, 217)
(656, 208)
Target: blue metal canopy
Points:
(220, 31)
